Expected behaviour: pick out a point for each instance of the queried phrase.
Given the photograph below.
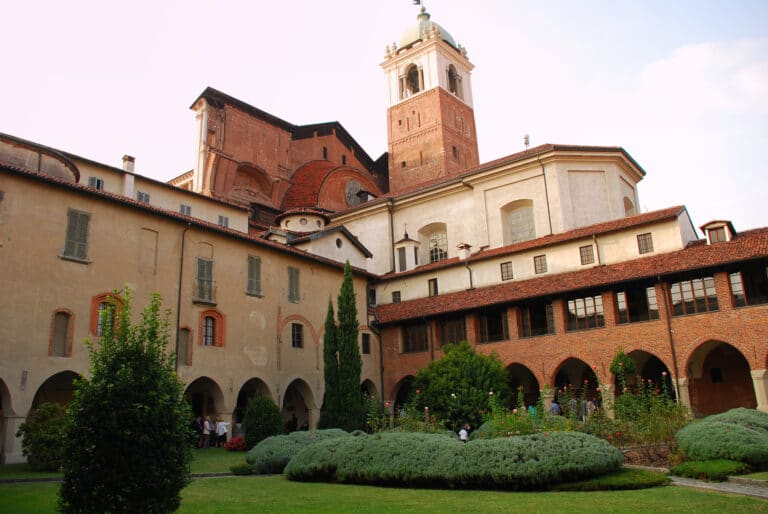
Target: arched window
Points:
(454, 81)
(629, 207)
(60, 344)
(434, 238)
(517, 221)
(212, 328)
(103, 309)
(411, 82)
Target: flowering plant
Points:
(236, 444)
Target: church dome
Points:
(422, 31)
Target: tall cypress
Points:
(350, 364)
(329, 412)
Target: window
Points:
(506, 271)
(587, 254)
(693, 296)
(438, 246)
(629, 207)
(540, 264)
(209, 331)
(186, 210)
(415, 256)
(371, 297)
(415, 338)
(96, 183)
(343, 159)
(325, 152)
(61, 334)
(76, 242)
(297, 335)
(453, 330)
(103, 308)
(432, 285)
(204, 287)
(536, 319)
(395, 296)
(717, 235)
(223, 221)
(455, 152)
(401, 258)
(142, 197)
(254, 276)
(106, 317)
(411, 82)
(750, 285)
(635, 304)
(585, 313)
(454, 81)
(185, 351)
(212, 328)
(493, 325)
(366, 344)
(645, 243)
(517, 221)
(293, 284)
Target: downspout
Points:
(178, 297)
(546, 192)
(374, 326)
(671, 337)
(391, 235)
(471, 282)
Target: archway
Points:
(522, 380)
(649, 367)
(719, 379)
(57, 389)
(205, 397)
(404, 390)
(299, 401)
(253, 387)
(6, 409)
(575, 381)
(369, 388)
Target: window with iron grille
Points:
(585, 313)
(76, 242)
(209, 331)
(506, 271)
(297, 335)
(693, 296)
(587, 254)
(645, 243)
(540, 264)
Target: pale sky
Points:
(681, 85)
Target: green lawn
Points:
(276, 494)
(762, 475)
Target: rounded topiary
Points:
(273, 453)
(42, 437)
(262, 419)
(738, 435)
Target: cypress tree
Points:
(329, 412)
(350, 364)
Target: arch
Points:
(6, 403)
(629, 207)
(299, 401)
(576, 376)
(205, 397)
(212, 329)
(454, 81)
(298, 318)
(413, 80)
(649, 367)
(434, 241)
(719, 379)
(402, 391)
(251, 183)
(58, 388)
(252, 387)
(517, 222)
(369, 388)
(522, 380)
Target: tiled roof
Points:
(306, 183)
(541, 242)
(749, 245)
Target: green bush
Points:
(42, 435)
(262, 419)
(739, 434)
(623, 480)
(241, 469)
(273, 453)
(519, 422)
(416, 459)
(712, 470)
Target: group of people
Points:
(210, 434)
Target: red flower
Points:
(386, 404)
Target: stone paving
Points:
(734, 485)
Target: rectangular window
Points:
(717, 235)
(372, 297)
(415, 338)
(585, 313)
(493, 325)
(540, 264)
(645, 243)
(536, 319)
(506, 271)
(343, 160)
(636, 304)
(204, 280)
(297, 335)
(223, 221)
(366, 344)
(142, 197)
(106, 315)
(401, 258)
(453, 330)
(254, 275)
(293, 284)
(395, 296)
(186, 210)
(96, 183)
(416, 256)
(750, 285)
(432, 285)
(60, 345)
(185, 356)
(76, 242)
(693, 296)
(209, 331)
(587, 254)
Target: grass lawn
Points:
(276, 494)
(762, 475)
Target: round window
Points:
(303, 221)
(338, 242)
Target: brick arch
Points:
(304, 321)
(719, 378)
(220, 327)
(693, 346)
(401, 389)
(57, 388)
(521, 375)
(574, 370)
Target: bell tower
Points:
(430, 120)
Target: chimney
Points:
(128, 162)
(464, 251)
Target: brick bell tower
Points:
(430, 120)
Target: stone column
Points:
(685, 393)
(11, 445)
(314, 417)
(760, 382)
(609, 400)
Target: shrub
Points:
(236, 444)
(735, 435)
(127, 434)
(43, 437)
(273, 453)
(262, 419)
(622, 480)
(712, 470)
(415, 459)
(241, 469)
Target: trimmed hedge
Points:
(273, 453)
(422, 460)
(739, 434)
(712, 470)
(623, 480)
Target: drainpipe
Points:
(178, 296)
(671, 336)
(374, 326)
(391, 234)
(546, 192)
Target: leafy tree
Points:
(329, 413)
(457, 387)
(42, 437)
(126, 440)
(262, 419)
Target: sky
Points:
(681, 85)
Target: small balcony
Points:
(204, 291)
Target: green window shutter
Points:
(76, 244)
(254, 275)
(293, 284)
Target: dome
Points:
(421, 31)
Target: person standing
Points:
(464, 433)
(222, 427)
(206, 431)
